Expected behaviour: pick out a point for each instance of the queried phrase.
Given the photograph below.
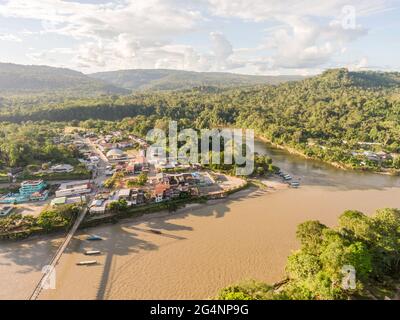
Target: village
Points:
(120, 176)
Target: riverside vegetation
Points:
(369, 244)
(17, 226)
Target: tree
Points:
(355, 225)
(251, 290)
(49, 219)
(142, 179)
(119, 206)
(302, 265)
(310, 235)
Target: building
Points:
(141, 164)
(130, 168)
(94, 159)
(68, 200)
(137, 196)
(62, 168)
(74, 188)
(5, 211)
(371, 156)
(124, 144)
(32, 190)
(123, 194)
(384, 156)
(98, 206)
(31, 186)
(161, 192)
(115, 154)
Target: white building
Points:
(62, 168)
(74, 188)
(5, 211)
(94, 159)
(98, 207)
(68, 200)
(115, 154)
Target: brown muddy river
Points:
(202, 248)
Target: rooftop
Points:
(115, 153)
(31, 183)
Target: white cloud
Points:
(261, 10)
(127, 53)
(361, 64)
(142, 19)
(303, 34)
(303, 43)
(121, 34)
(307, 34)
(222, 49)
(9, 37)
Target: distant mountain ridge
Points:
(166, 79)
(31, 79)
(61, 82)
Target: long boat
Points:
(295, 184)
(87, 263)
(287, 177)
(94, 238)
(155, 231)
(92, 252)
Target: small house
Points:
(5, 211)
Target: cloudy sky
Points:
(242, 36)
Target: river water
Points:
(202, 248)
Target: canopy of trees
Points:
(318, 270)
(324, 117)
(29, 143)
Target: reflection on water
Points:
(312, 172)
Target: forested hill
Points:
(21, 79)
(366, 79)
(325, 117)
(163, 79)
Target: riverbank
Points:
(338, 165)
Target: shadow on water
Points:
(117, 242)
(31, 254)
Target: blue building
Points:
(30, 187)
(29, 191)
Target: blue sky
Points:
(243, 36)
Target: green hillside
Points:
(162, 79)
(24, 80)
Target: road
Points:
(100, 175)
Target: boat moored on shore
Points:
(92, 252)
(87, 263)
(94, 238)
